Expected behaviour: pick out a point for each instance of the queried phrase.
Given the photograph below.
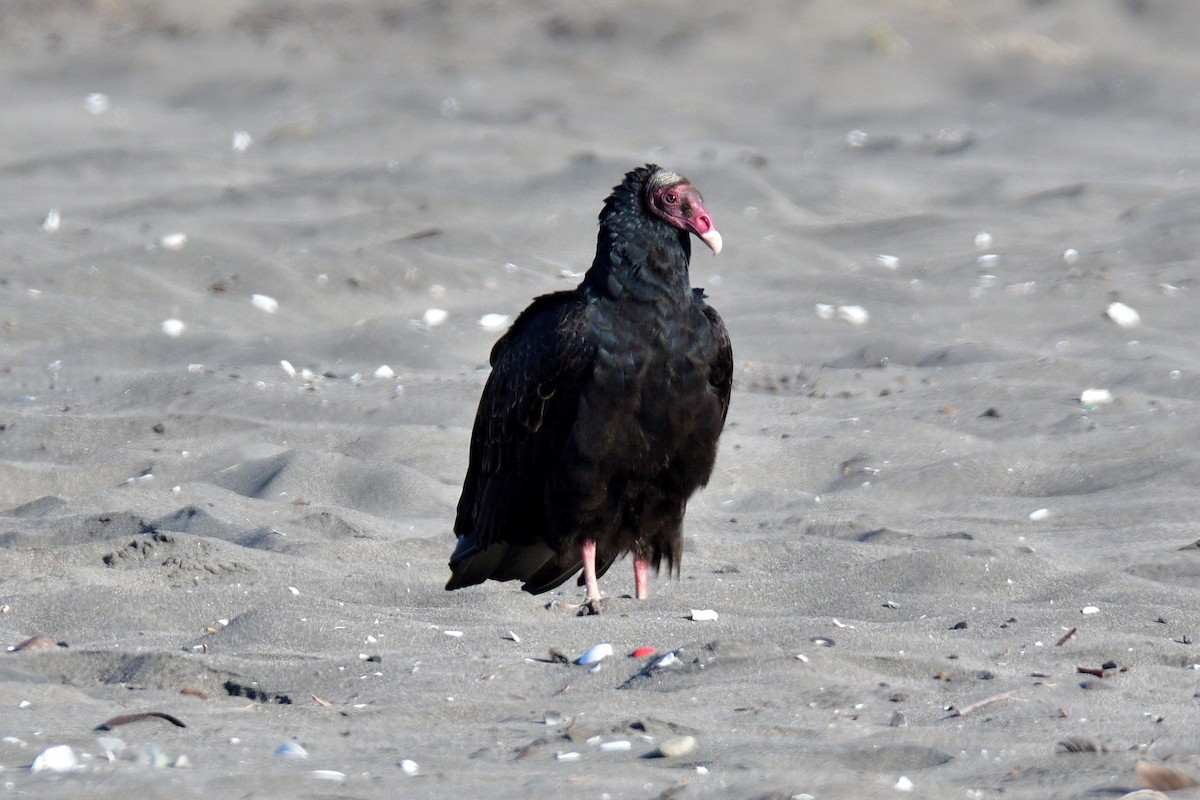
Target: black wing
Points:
(721, 375)
(525, 414)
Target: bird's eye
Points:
(672, 198)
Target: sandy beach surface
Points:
(253, 256)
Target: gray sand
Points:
(185, 514)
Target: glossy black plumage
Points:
(603, 408)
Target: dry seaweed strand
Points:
(125, 719)
(962, 711)
(1067, 637)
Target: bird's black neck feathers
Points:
(638, 255)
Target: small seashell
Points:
(1089, 610)
(294, 590)
(53, 221)
(1095, 397)
(668, 660)
(703, 615)
(594, 654)
(1123, 315)
(513, 637)
(241, 141)
(173, 241)
(384, 372)
(408, 766)
(825, 311)
(1039, 515)
(1070, 255)
(983, 241)
(172, 328)
(288, 368)
(891, 262)
(328, 775)
(291, 750)
(572, 756)
(96, 103)
(616, 746)
(455, 634)
(642, 652)
(264, 303)
(60, 758)
(39, 642)
(434, 317)
(823, 641)
(855, 315)
(904, 784)
(112, 745)
(675, 746)
(493, 322)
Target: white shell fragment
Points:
(1040, 514)
(53, 221)
(172, 328)
(891, 262)
(1123, 315)
(408, 766)
(572, 756)
(434, 317)
(670, 659)
(264, 303)
(1095, 397)
(513, 637)
(385, 372)
(616, 746)
(288, 368)
(676, 746)
(491, 322)
(983, 241)
(1070, 255)
(241, 141)
(703, 615)
(96, 103)
(855, 315)
(291, 750)
(60, 758)
(904, 784)
(594, 654)
(173, 241)
(328, 775)
(825, 310)
(1089, 610)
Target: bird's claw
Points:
(591, 608)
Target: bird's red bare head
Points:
(672, 198)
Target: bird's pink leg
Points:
(641, 578)
(589, 570)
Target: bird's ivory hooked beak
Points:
(712, 239)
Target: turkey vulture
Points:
(602, 411)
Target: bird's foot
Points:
(591, 608)
(588, 608)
